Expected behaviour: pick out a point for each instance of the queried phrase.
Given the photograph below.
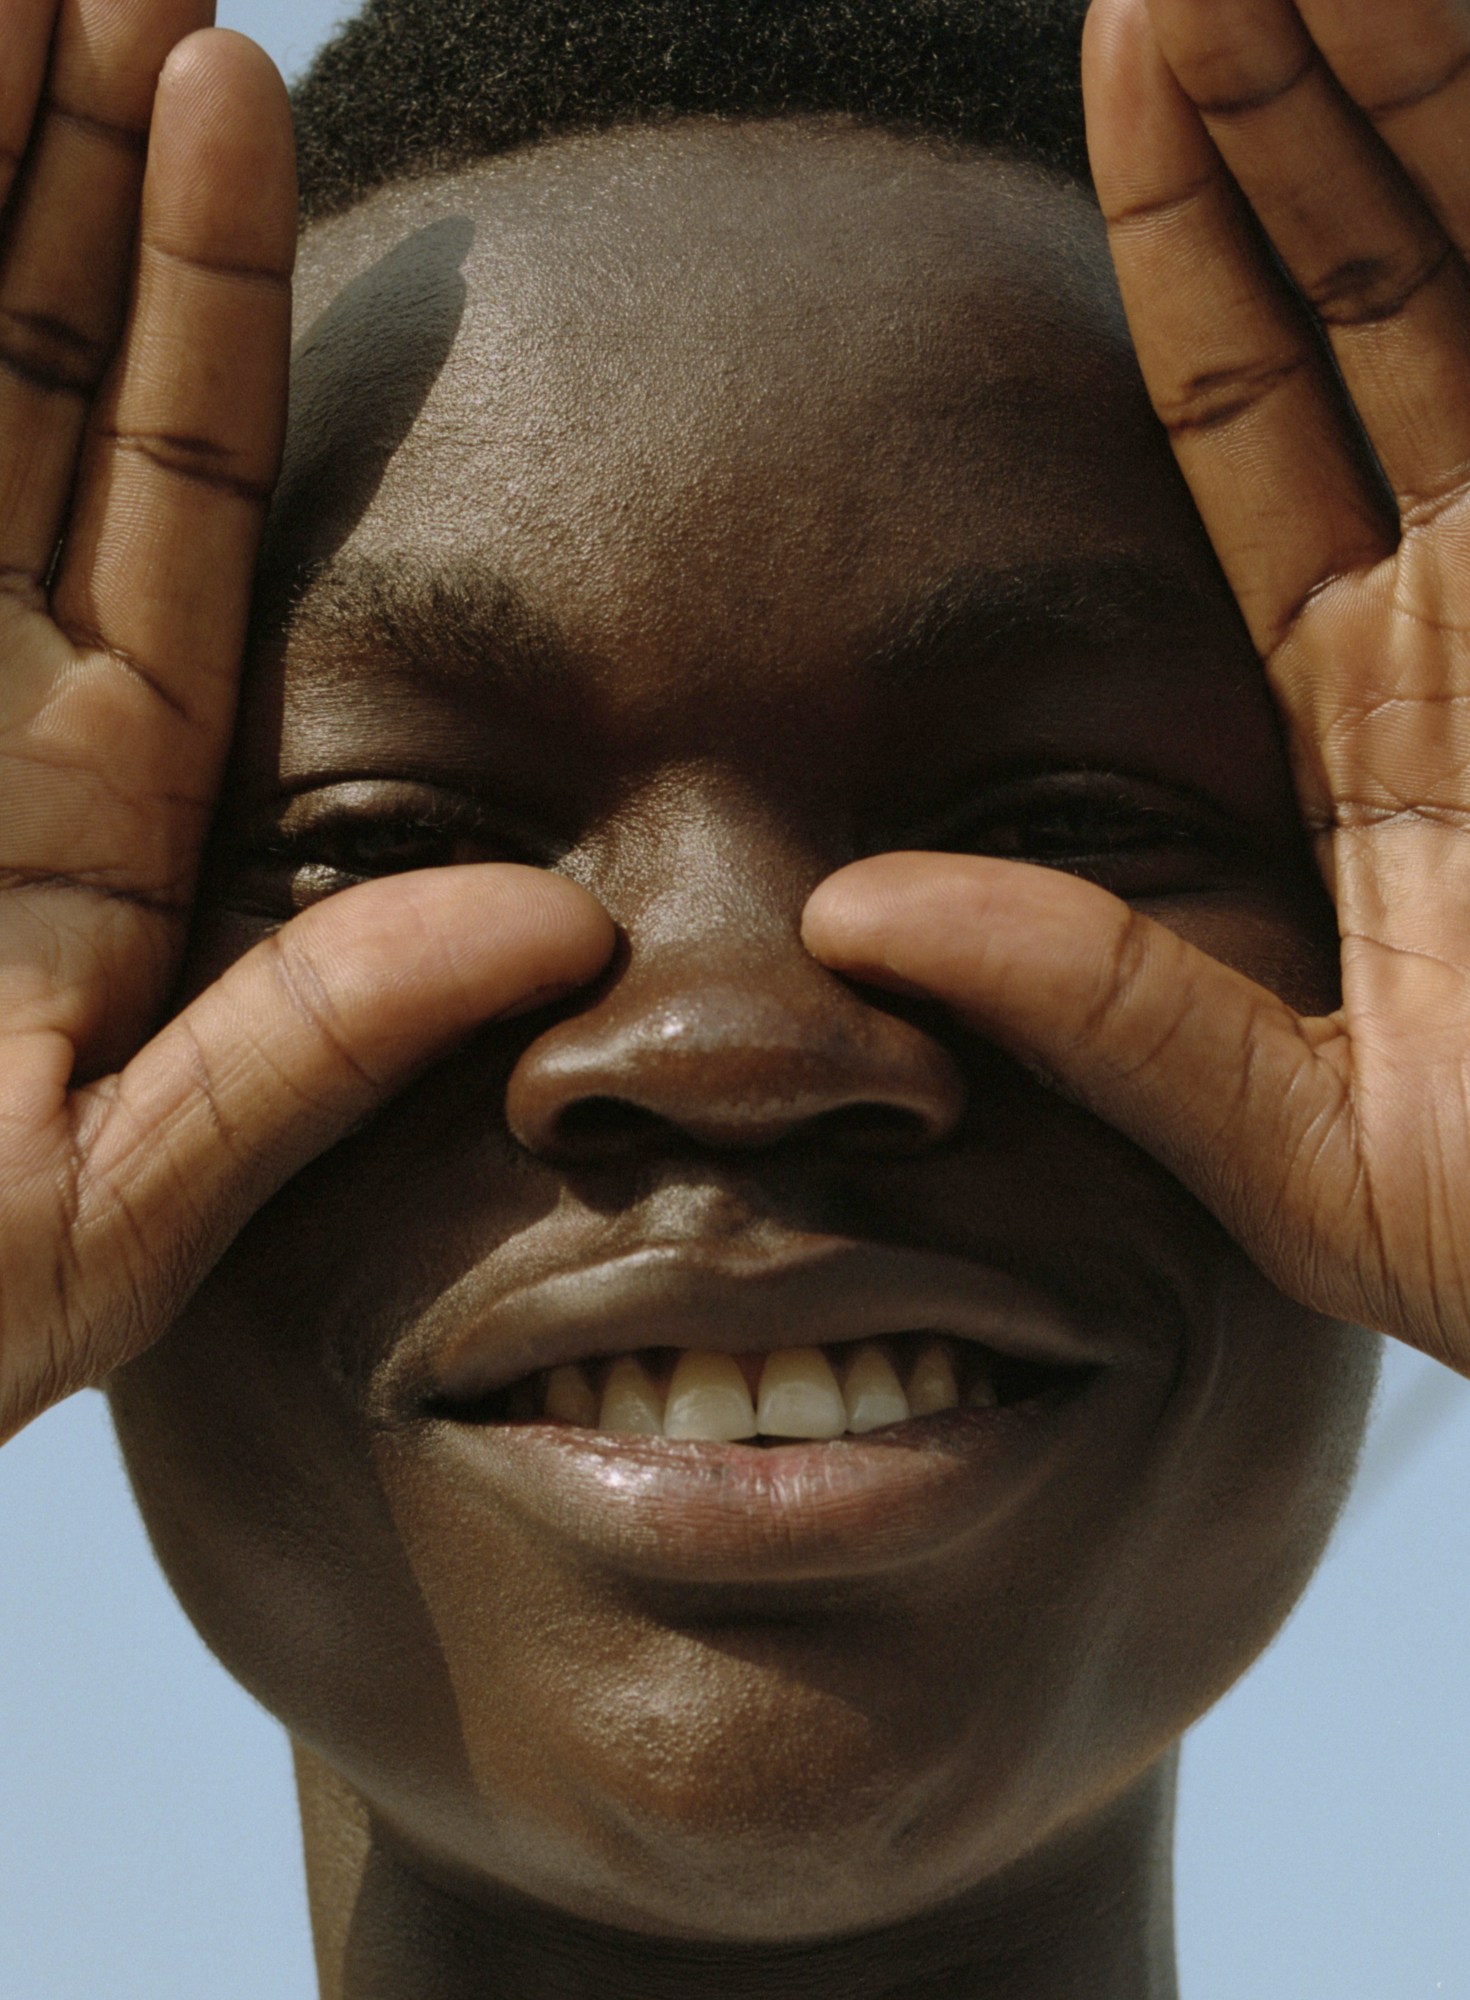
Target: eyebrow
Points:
(460, 621)
(1099, 602)
(464, 622)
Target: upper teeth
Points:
(708, 1398)
(799, 1393)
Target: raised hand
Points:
(1336, 1150)
(147, 231)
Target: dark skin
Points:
(714, 599)
(655, 597)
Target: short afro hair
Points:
(415, 87)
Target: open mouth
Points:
(779, 1410)
(781, 1396)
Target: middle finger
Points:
(1389, 287)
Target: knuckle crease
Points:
(1226, 109)
(127, 138)
(1215, 400)
(1369, 291)
(88, 641)
(199, 460)
(1410, 100)
(221, 267)
(1159, 207)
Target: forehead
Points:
(702, 362)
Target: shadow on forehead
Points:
(360, 375)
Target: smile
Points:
(764, 1409)
(740, 1302)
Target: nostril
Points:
(600, 1126)
(718, 1063)
(868, 1128)
(595, 1125)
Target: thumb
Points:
(303, 1038)
(1209, 1072)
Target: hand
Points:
(142, 397)
(1336, 1150)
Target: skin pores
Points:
(694, 511)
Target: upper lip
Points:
(804, 1292)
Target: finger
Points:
(68, 248)
(306, 1036)
(1383, 278)
(1232, 363)
(107, 790)
(25, 39)
(185, 443)
(1408, 66)
(1210, 1073)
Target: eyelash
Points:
(1108, 827)
(288, 868)
(1136, 840)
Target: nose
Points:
(720, 1030)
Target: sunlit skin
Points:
(750, 541)
(799, 401)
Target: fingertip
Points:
(856, 903)
(1141, 128)
(222, 156)
(209, 51)
(107, 54)
(830, 907)
(577, 931)
(1107, 24)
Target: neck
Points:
(1090, 1919)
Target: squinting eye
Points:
(1135, 838)
(321, 847)
(1075, 832)
(313, 866)
(388, 847)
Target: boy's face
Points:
(695, 512)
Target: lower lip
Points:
(720, 1513)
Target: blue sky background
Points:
(148, 1842)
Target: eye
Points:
(327, 841)
(1074, 830)
(1136, 839)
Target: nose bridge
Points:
(719, 1026)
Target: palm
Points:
(1380, 1128)
(144, 334)
(1337, 1150)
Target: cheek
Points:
(1283, 935)
(1248, 1480)
(256, 1484)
